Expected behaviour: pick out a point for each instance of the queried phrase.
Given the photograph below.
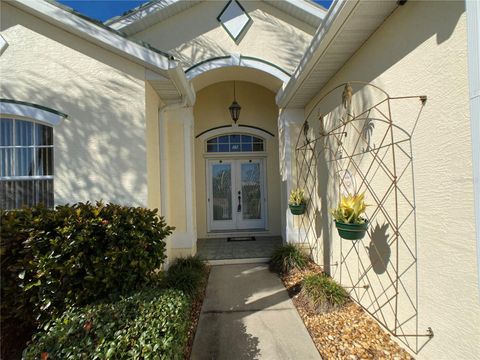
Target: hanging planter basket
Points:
(351, 231)
(297, 209)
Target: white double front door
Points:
(236, 194)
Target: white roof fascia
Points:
(308, 7)
(125, 22)
(95, 34)
(305, 6)
(326, 33)
(155, 8)
(121, 21)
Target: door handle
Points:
(239, 207)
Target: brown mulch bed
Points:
(195, 315)
(344, 333)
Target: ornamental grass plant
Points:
(187, 275)
(323, 292)
(288, 257)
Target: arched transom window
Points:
(235, 143)
(26, 164)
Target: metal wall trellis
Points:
(354, 146)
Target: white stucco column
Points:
(289, 125)
(177, 179)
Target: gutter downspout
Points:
(473, 40)
(183, 85)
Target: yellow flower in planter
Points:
(297, 197)
(297, 202)
(348, 220)
(350, 209)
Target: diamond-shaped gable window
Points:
(234, 19)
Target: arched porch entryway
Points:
(237, 183)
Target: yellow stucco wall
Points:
(176, 175)
(258, 109)
(100, 150)
(195, 35)
(152, 105)
(421, 49)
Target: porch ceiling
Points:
(346, 27)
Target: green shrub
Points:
(288, 257)
(75, 255)
(151, 324)
(323, 292)
(187, 274)
(16, 267)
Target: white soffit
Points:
(234, 19)
(306, 11)
(153, 12)
(346, 27)
(149, 14)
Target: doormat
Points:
(245, 238)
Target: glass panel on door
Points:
(251, 191)
(222, 191)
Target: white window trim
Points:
(20, 117)
(235, 129)
(30, 112)
(3, 44)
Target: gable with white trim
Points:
(201, 31)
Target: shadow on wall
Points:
(418, 21)
(194, 43)
(353, 145)
(379, 249)
(100, 151)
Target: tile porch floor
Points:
(221, 249)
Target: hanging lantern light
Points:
(235, 107)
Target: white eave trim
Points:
(326, 33)
(3, 44)
(139, 14)
(123, 22)
(304, 6)
(93, 33)
(31, 111)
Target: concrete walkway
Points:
(247, 314)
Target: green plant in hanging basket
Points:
(296, 202)
(348, 217)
